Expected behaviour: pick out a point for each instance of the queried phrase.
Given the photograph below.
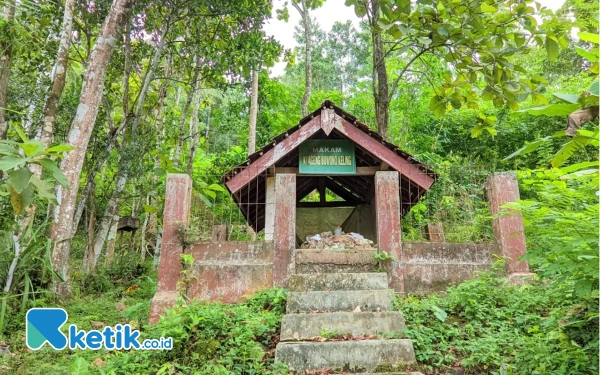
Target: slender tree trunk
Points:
(143, 248)
(90, 264)
(186, 108)
(306, 22)
(59, 75)
(112, 210)
(58, 78)
(113, 205)
(194, 133)
(5, 66)
(110, 242)
(78, 137)
(380, 78)
(253, 113)
(157, 248)
(148, 79)
(112, 138)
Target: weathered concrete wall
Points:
(431, 267)
(229, 271)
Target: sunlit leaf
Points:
(50, 165)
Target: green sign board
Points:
(324, 156)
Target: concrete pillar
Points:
(270, 209)
(387, 206)
(435, 232)
(285, 228)
(508, 228)
(176, 215)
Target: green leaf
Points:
(492, 131)
(19, 179)
(528, 148)
(551, 110)
(594, 89)
(476, 131)
(568, 149)
(586, 54)
(159, 172)
(552, 48)
(32, 148)
(44, 190)
(8, 150)
(216, 188)
(21, 134)
(589, 37)
(439, 313)
(10, 162)
(578, 166)
(20, 201)
(569, 98)
(59, 148)
(485, 8)
(51, 166)
(149, 209)
(80, 367)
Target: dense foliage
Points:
(490, 327)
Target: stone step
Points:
(337, 281)
(338, 324)
(340, 261)
(346, 355)
(367, 300)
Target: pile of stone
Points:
(344, 241)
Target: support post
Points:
(388, 220)
(508, 229)
(285, 228)
(270, 209)
(176, 216)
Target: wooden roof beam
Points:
(272, 156)
(384, 154)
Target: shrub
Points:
(490, 327)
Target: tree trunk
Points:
(110, 242)
(194, 133)
(59, 75)
(147, 80)
(113, 135)
(112, 210)
(78, 137)
(380, 78)
(58, 78)
(5, 63)
(90, 264)
(143, 248)
(306, 22)
(186, 108)
(253, 113)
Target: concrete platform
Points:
(326, 261)
(367, 300)
(345, 355)
(305, 326)
(337, 281)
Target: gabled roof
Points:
(247, 181)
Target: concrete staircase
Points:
(353, 310)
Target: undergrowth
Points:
(489, 327)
